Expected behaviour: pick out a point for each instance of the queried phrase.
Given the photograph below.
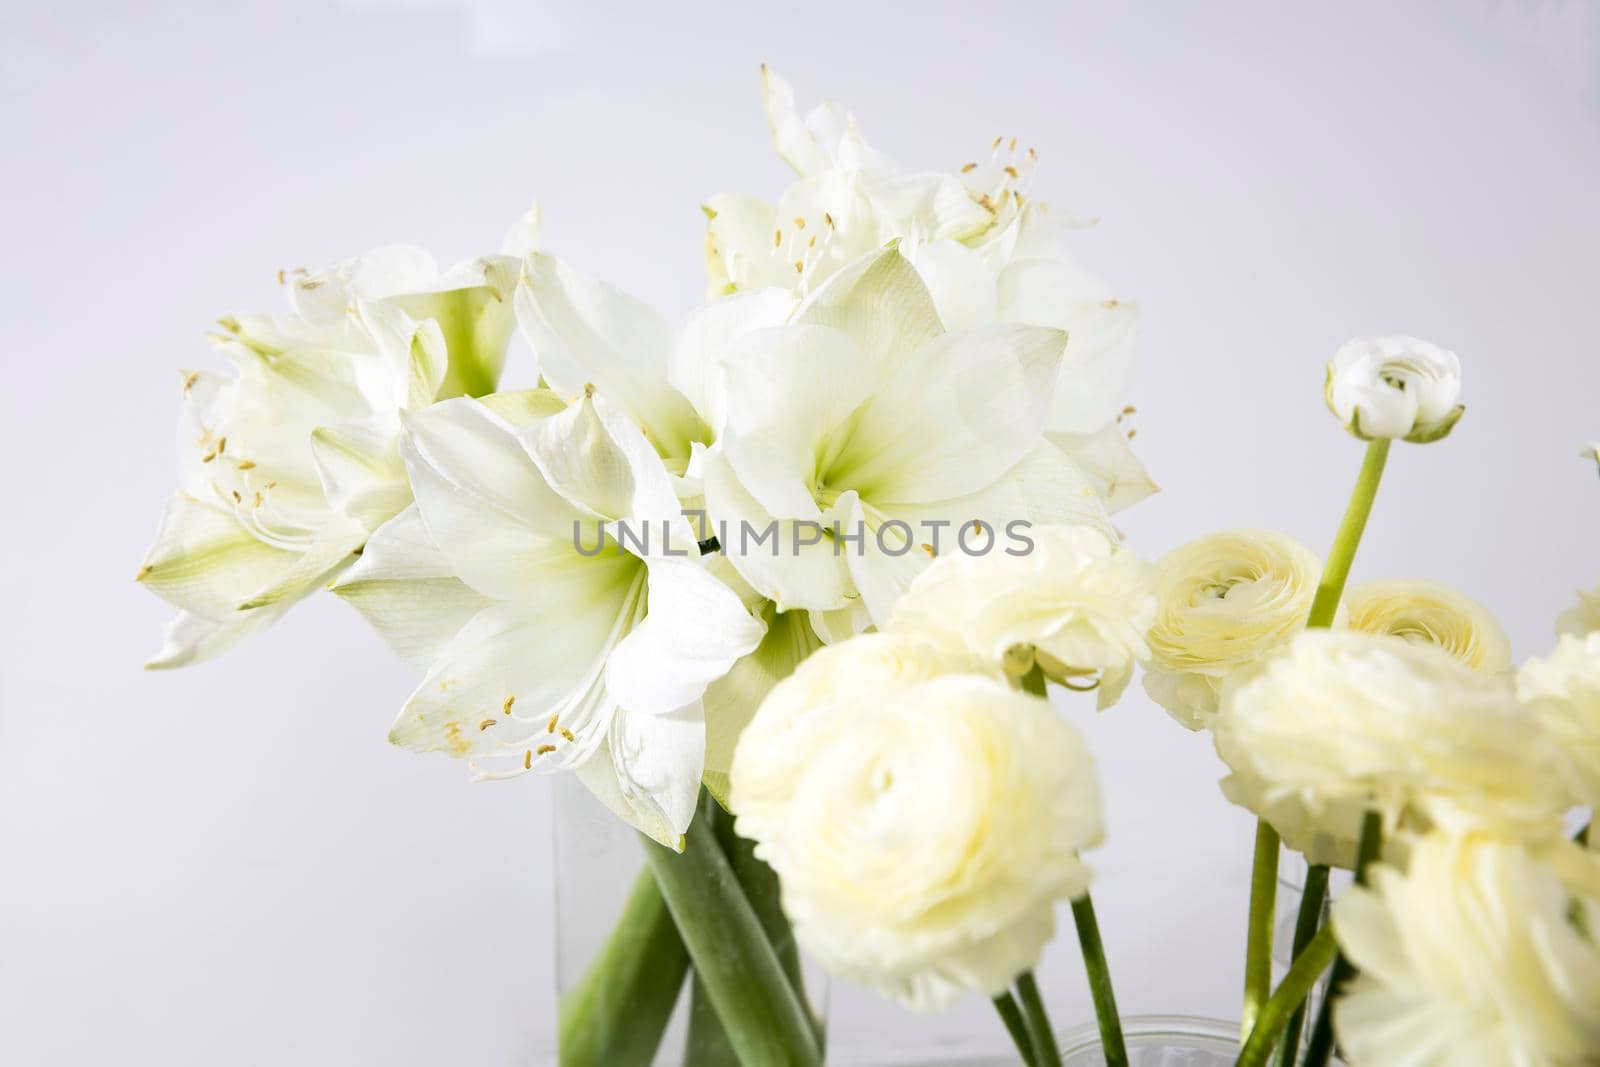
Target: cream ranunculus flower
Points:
(1469, 958)
(1076, 603)
(1395, 387)
(923, 823)
(287, 466)
(1223, 601)
(1336, 723)
(986, 251)
(1583, 617)
(1563, 691)
(1431, 613)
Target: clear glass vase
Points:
(1158, 1041)
(626, 993)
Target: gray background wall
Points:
(230, 865)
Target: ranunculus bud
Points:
(1395, 387)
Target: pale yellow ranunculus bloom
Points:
(1223, 601)
(1563, 691)
(1469, 958)
(925, 820)
(1339, 722)
(1431, 613)
(1078, 602)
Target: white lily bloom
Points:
(1469, 957)
(1563, 692)
(1431, 613)
(986, 252)
(924, 817)
(1077, 603)
(286, 467)
(1395, 387)
(868, 439)
(549, 649)
(1338, 722)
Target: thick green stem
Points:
(1105, 999)
(1290, 995)
(1305, 930)
(766, 1022)
(615, 1017)
(1040, 1034)
(1321, 1046)
(707, 1042)
(1258, 930)
(1016, 1026)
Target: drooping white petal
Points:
(404, 587)
(188, 638)
(587, 332)
(333, 550)
(203, 561)
(966, 409)
(598, 773)
(659, 760)
(694, 630)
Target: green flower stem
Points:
(1367, 850)
(707, 1042)
(765, 1021)
(1105, 1000)
(1040, 1034)
(1324, 606)
(1343, 553)
(615, 1017)
(1288, 999)
(1016, 1026)
(1258, 928)
(1305, 930)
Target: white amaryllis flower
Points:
(1336, 723)
(1431, 613)
(1395, 387)
(986, 252)
(552, 648)
(1583, 617)
(1075, 602)
(860, 438)
(924, 821)
(1223, 601)
(287, 466)
(1469, 958)
(1563, 692)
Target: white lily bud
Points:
(1395, 387)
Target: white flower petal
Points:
(970, 406)
(710, 334)
(587, 332)
(205, 562)
(881, 302)
(1105, 458)
(404, 587)
(693, 631)
(659, 760)
(189, 638)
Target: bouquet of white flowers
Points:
(787, 588)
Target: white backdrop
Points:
(229, 865)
